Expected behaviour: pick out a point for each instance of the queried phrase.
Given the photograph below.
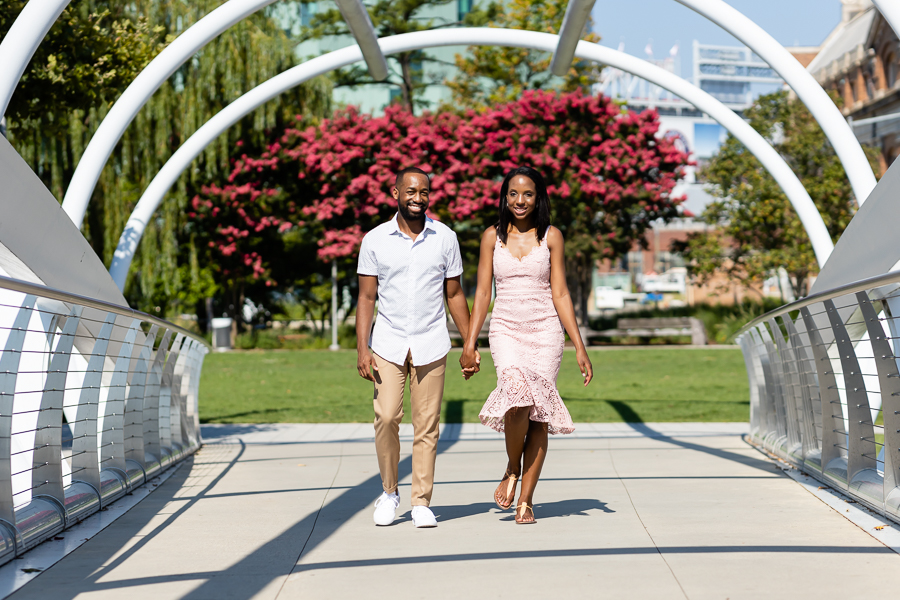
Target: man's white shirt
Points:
(411, 274)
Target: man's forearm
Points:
(365, 311)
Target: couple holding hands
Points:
(409, 264)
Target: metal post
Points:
(862, 473)
(334, 308)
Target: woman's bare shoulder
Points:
(490, 235)
(554, 236)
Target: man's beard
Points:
(408, 216)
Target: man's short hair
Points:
(399, 180)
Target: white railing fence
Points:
(825, 388)
(95, 399)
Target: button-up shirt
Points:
(411, 274)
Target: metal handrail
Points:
(820, 378)
(67, 297)
(123, 394)
(843, 290)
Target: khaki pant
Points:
(426, 387)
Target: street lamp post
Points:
(334, 308)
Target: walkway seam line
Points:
(856, 513)
(312, 529)
(638, 515)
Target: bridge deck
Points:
(643, 511)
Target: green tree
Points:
(407, 70)
(99, 47)
(489, 75)
(754, 229)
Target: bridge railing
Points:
(95, 399)
(824, 381)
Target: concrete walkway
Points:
(624, 511)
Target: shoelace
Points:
(381, 500)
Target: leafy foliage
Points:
(489, 75)
(93, 51)
(756, 230)
(99, 46)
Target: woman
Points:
(525, 255)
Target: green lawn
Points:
(633, 385)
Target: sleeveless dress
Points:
(527, 340)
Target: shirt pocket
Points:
(433, 271)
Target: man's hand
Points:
(470, 361)
(365, 363)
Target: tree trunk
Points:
(798, 283)
(579, 273)
(209, 314)
(584, 283)
(407, 87)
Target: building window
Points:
(890, 67)
(307, 12)
(464, 7)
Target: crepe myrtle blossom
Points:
(610, 174)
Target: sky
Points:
(636, 22)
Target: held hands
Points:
(584, 363)
(365, 363)
(470, 361)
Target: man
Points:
(409, 264)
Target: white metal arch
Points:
(181, 159)
(88, 170)
(186, 45)
(833, 124)
(139, 91)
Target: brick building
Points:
(860, 62)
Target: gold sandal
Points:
(525, 506)
(510, 490)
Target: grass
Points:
(631, 385)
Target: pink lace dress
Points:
(527, 340)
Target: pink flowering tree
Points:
(314, 192)
(609, 177)
(242, 227)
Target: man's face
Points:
(412, 196)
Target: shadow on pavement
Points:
(576, 552)
(543, 510)
(749, 461)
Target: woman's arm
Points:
(563, 301)
(482, 296)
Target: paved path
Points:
(643, 511)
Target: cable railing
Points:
(824, 378)
(95, 399)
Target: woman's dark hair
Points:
(541, 204)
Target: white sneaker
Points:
(386, 508)
(423, 517)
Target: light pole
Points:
(334, 308)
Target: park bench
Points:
(455, 335)
(656, 327)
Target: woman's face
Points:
(521, 197)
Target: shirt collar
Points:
(395, 227)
